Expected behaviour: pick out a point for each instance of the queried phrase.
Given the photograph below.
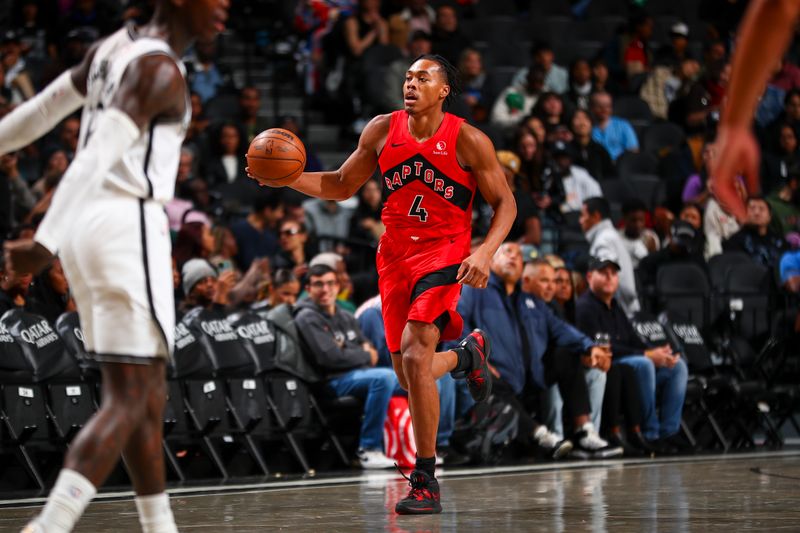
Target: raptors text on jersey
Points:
(427, 193)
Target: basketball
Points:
(276, 157)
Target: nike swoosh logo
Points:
(395, 145)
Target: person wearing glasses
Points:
(296, 250)
(333, 338)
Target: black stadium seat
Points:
(683, 288)
(630, 163)
(661, 138)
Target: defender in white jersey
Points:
(107, 223)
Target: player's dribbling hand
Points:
(474, 270)
(26, 256)
(736, 153)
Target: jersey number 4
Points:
(417, 210)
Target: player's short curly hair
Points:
(452, 77)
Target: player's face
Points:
(425, 87)
(206, 18)
(323, 289)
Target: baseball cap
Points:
(509, 160)
(679, 28)
(194, 271)
(683, 234)
(560, 148)
(599, 263)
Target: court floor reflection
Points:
(759, 493)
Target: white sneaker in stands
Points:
(374, 459)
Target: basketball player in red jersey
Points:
(432, 164)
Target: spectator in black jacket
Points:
(448, 41)
(347, 360)
(755, 238)
(589, 154)
(661, 373)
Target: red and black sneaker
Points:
(479, 380)
(423, 498)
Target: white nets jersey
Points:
(149, 168)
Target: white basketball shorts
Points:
(119, 268)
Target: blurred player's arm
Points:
(151, 87)
(37, 116)
(764, 35)
(476, 152)
(343, 183)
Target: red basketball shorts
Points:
(417, 281)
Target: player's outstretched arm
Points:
(37, 116)
(764, 34)
(343, 183)
(477, 152)
(152, 87)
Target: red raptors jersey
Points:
(427, 193)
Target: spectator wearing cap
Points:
(527, 224)
(257, 234)
(419, 44)
(685, 246)
(595, 221)
(639, 240)
(674, 53)
(204, 286)
(756, 238)
(569, 185)
(516, 101)
(588, 153)
(662, 374)
(556, 77)
(615, 134)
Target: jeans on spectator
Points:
(375, 386)
(668, 384)
(553, 404)
(454, 402)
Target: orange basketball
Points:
(276, 157)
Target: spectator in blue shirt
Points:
(790, 271)
(615, 134)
